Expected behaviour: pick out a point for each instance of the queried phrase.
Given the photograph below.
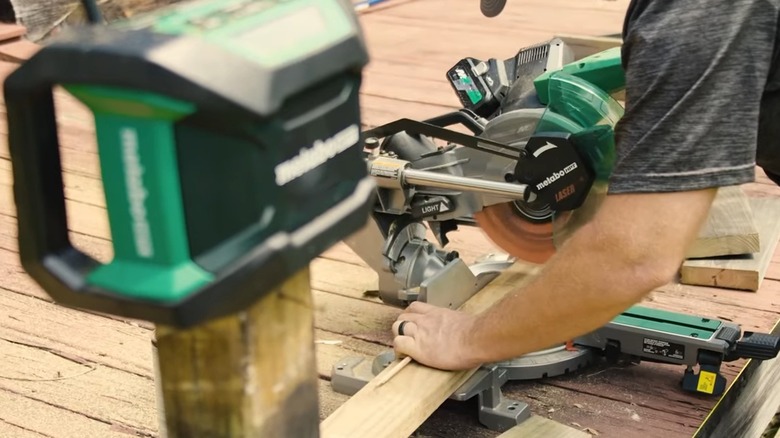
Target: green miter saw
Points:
(533, 167)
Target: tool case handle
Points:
(45, 248)
(68, 275)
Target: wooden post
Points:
(248, 375)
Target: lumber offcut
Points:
(743, 272)
(730, 228)
(247, 375)
(399, 406)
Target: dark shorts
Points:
(702, 95)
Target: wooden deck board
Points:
(103, 364)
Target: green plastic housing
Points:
(603, 70)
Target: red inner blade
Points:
(532, 242)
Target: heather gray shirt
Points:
(701, 95)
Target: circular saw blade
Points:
(531, 232)
(513, 233)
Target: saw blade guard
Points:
(589, 115)
(597, 113)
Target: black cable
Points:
(93, 12)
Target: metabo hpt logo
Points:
(320, 152)
(556, 176)
(136, 192)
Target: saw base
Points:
(496, 412)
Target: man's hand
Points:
(435, 336)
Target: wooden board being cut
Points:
(730, 228)
(391, 409)
(742, 272)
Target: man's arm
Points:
(634, 244)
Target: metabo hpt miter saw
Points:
(530, 166)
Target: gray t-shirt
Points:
(701, 79)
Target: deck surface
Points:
(68, 374)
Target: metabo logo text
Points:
(556, 176)
(136, 192)
(320, 152)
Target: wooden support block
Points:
(402, 404)
(541, 427)
(742, 272)
(247, 375)
(584, 45)
(730, 228)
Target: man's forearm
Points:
(604, 268)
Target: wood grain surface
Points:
(69, 374)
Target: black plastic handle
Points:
(45, 248)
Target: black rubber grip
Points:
(758, 346)
(491, 8)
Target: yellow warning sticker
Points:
(706, 382)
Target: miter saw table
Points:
(527, 160)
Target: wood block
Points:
(537, 426)
(585, 45)
(730, 228)
(742, 272)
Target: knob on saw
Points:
(491, 8)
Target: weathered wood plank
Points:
(118, 398)
(593, 406)
(744, 272)
(53, 421)
(12, 430)
(730, 228)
